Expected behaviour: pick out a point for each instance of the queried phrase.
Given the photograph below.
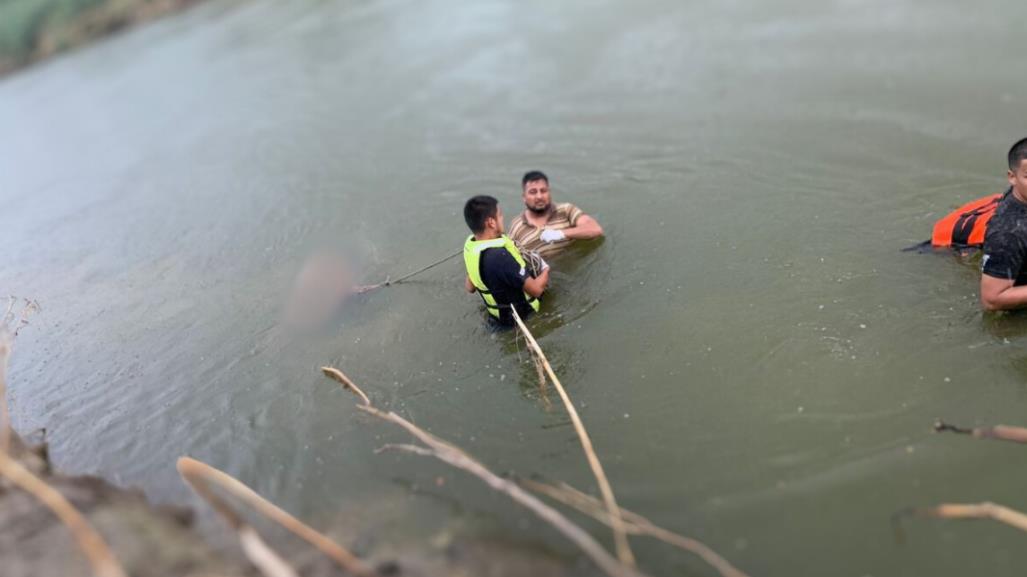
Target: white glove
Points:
(550, 236)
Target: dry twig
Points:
(336, 374)
(616, 522)
(198, 475)
(103, 561)
(634, 523)
(986, 510)
(1001, 432)
(456, 457)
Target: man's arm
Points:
(468, 285)
(584, 227)
(536, 286)
(999, 294)
(1003, 259)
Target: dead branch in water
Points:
(199, 475)
(616, 522)
(346, 382)
(986, 510)
(459, 459)
(1001, 432)
(103, 561)
(8, 332)
(633, 523)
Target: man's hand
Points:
(550, 236)
(536, 286)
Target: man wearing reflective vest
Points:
(495, 268)
(1004, 264)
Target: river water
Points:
(757, 362)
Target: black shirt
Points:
(505, 279)
(1005, 242)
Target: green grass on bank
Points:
(34, 29)
(23, 21)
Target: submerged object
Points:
(965, 226)
(322, 285)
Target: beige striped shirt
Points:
(526, 236)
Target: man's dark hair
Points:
(1017, 154)
(477, 210)
(533, 175)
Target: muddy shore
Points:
(164, 541)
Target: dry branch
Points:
(459, 459)
(616, 522)
(336, 374)
(1001, 432)
(986, 510)
(198, 475)
(262, 556)
(633, 523)
(103, 561)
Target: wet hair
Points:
(1017, 154)
(477, 210)
(533, 175)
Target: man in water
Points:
(546, 228)
(495, 268)
(1004, 265)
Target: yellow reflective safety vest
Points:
(472, 260)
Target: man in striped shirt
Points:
(546, 228)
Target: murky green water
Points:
(758, 364)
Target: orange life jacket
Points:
(965, 226)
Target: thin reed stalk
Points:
(261, 555)
(634, 524)
(456, 457)
(199, 476)
(616, 522)
(986, 510)
(1000, 432)
(336, 374)
(103, 561)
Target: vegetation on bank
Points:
(31, 30)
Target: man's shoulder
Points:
(567, 208)
(496, 257)
(1010, 206)
(498, 265)
(569, 212)
(1010, 218)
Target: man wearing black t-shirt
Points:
(495, 268)
(1004, 265)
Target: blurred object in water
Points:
(317, 294)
